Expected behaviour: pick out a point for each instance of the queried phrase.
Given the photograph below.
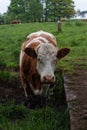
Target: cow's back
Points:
(39, 37)
(44, 35)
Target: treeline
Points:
(38, 10)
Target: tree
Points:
(25, 10)
(1, 19)
(16, 10)
(35, 10)
(56, 9)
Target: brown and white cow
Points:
(15, 22)
(38, 59)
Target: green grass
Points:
(18, 117)
(52, 117)
(15, 117)
(74, 36)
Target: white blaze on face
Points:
(46, 60)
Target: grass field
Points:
(74, 36)
(18, 117)
(21, 118)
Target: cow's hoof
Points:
(27, 102)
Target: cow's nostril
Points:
(49, 78)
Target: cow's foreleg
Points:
(28, 95)
(25, 91)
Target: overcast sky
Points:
(80, 4)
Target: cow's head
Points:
(47, 56)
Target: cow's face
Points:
(47, 56)
(46, 62)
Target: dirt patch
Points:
(12, 90)
(76, 92)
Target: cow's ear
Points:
(62, 52)
(30, 52)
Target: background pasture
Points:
(73, 35)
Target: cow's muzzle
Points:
(49, 79)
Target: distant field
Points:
(74, 36)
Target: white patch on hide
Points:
(21, 57)
(37, 39)
(42, 92)
(39, 33)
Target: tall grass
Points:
(18, 117)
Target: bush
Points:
(79, 24)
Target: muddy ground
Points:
(13, 90)
(76, 92)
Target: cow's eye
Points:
(40, 60)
